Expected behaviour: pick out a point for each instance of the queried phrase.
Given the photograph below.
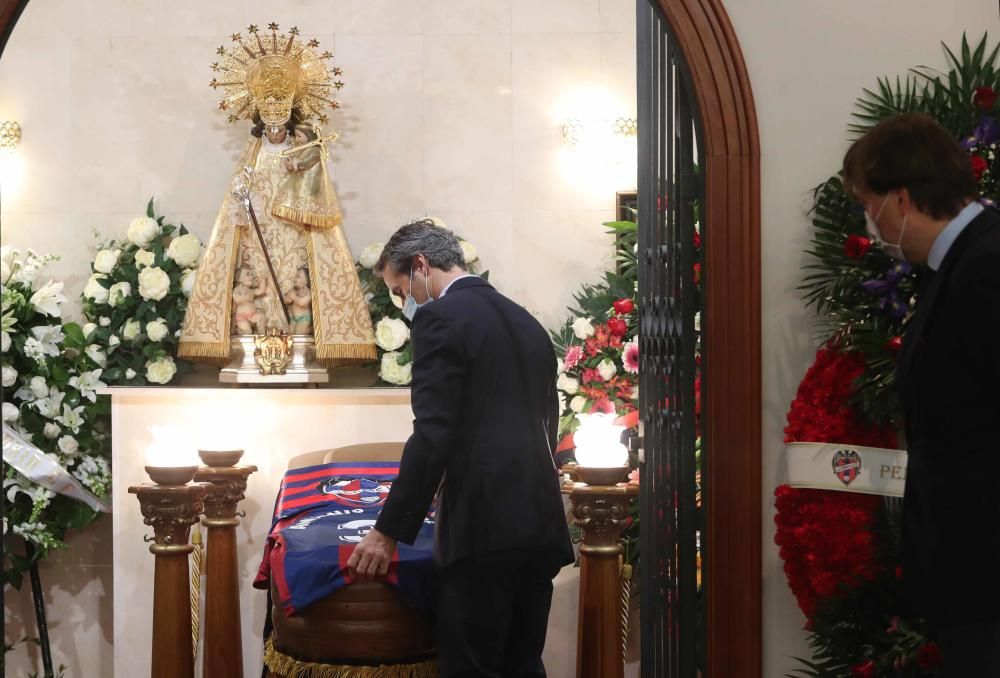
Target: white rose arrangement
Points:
(154, 283)
(185, 250)
(392, 330)
(391, 334)
(106, 260)
(136, 298)
(369, 255)
(119, 293)
(394, 370)
(50, 386)
(144, 258)
(161, 370)
(142, 230)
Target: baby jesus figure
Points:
(299, 301)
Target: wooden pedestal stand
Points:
(171, 509)
(223, 653)
(601, 511)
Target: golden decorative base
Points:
(301, 369)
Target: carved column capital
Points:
(226, 487)
(170, 510)
(602, 513)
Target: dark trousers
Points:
(492, 614)
(970, 650)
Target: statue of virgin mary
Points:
(279, 83)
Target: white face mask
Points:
(410, 305)
(894, 250)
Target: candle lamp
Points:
(600, 509)
(601, 457)
(170, 505)
(227, 483)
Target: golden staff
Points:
(195, 591)
(241, 190)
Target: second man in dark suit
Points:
(919, 194)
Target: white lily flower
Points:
(71, 417)
(47, 299)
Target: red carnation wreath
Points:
(836, 546)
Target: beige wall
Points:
(808, 61)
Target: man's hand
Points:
(370, 559)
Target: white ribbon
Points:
(36, 466)
(846, 468)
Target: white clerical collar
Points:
(947, 237)
(448, 286)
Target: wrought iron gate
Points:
(673, 455)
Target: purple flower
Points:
(887, 287)
(986, 132)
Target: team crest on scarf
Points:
(846, 465)
(355, 492)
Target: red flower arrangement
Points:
(825, 538)
(979, 166)
(857, 246)
(984, 98)
(865, 669)
(830, 543)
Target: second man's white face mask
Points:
(894, 250)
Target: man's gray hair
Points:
(438, 244)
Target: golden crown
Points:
(274, 74)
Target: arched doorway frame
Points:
(731, 405)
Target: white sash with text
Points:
(846, 468)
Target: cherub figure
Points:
(299, 301)
(246, 316)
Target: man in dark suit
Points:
(919, 194)
(485, 422)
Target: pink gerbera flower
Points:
(573, 355)
(603, 405)
(630, 357)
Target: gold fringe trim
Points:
(310, 218)
(204, 351)
(338, 355)
(289, 667)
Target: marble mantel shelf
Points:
(354, 396)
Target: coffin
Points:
(362, 625)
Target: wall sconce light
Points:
(572, 131)
(626, 127)
(10, 134)
(576, 130)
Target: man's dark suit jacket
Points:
(948, 377)
(485, 420)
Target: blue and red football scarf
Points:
(320, 515)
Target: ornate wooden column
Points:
(601, 511)
(223, 652)
(171, 507)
